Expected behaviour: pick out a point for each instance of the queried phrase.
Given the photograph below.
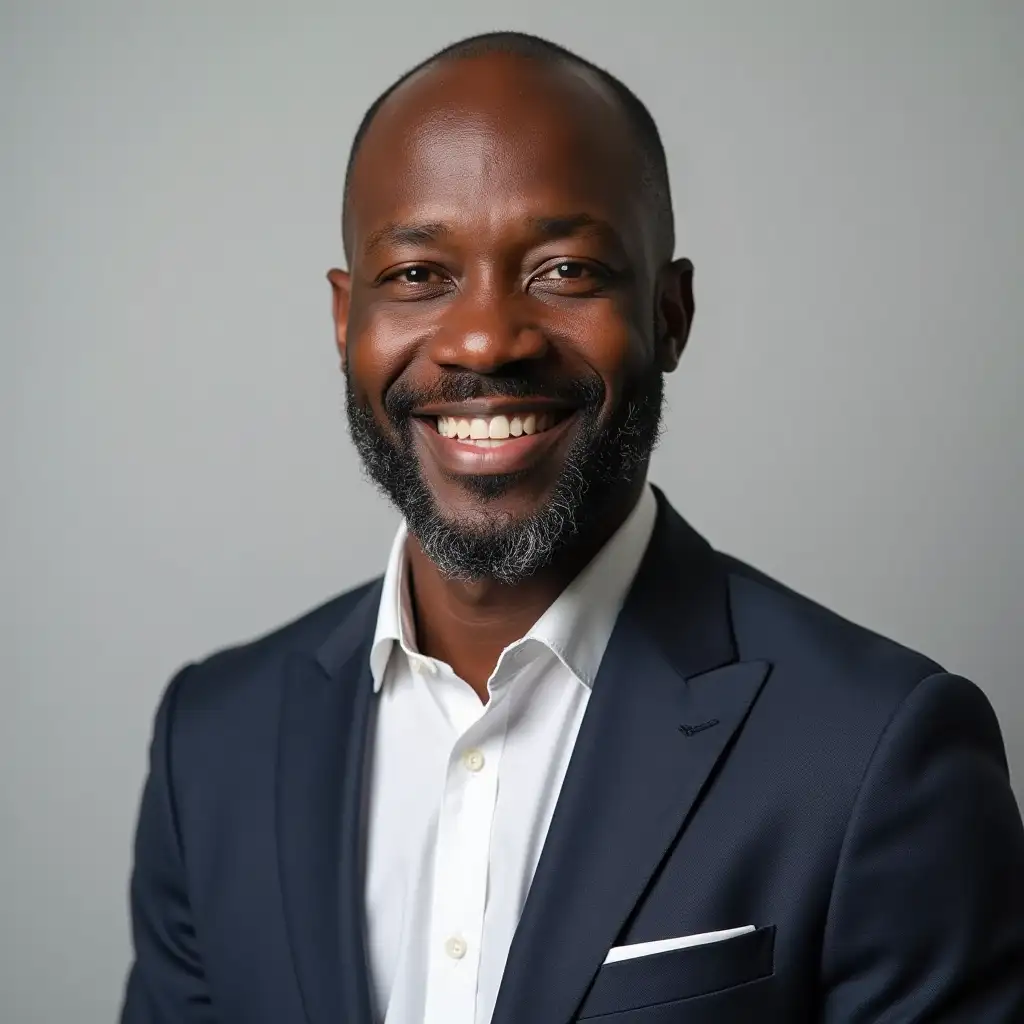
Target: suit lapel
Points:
(667, 700)
(324, 727)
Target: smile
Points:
(479, 441)
(492, 431)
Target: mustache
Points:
(402, 397)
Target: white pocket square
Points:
(630, 952)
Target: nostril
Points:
(488, 350)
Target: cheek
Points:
(611, 344)
(380, 347)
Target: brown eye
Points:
(415, 275)
(574, 279)
(568, 270)
(415, 281)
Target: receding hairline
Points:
(517, 45)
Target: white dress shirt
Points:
(461, 793)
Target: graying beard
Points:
(510, 557)
(511, 552)
(504, 550)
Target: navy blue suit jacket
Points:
(747, 757)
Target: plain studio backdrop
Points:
(177, 474)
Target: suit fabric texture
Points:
(747, 757)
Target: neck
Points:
(468, 624)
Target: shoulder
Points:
(770, 614)
(247, 673)
(828, 666)
(840, 698)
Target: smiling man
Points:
(564, 761)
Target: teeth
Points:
(486, 431)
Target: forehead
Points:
(489, 140)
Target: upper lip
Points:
(486, 407)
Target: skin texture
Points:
(498, 223)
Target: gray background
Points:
(175, 467)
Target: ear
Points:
(341, 291)
(674, 313)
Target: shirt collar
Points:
(394, 617)
(576, 627)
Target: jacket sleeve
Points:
(166, 983)
(926, 920)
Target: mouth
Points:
(471, 440)
(497, 430)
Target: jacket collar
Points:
(667, 699)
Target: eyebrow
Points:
(404, 234)
(561, 226)
(568, 225)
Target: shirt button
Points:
(473, 760)
(424, 667)
(455, 947)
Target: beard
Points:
(602, 461)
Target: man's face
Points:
(502, 327)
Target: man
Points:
(565, 761)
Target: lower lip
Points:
(511, 456)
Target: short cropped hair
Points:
(521, 44)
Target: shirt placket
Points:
(461, 864)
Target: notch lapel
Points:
(667, 700)
(324, 730)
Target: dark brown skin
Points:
(502, 157)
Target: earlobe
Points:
(675, 342)
(341, 292)
(675, 312)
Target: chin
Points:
(509, 495)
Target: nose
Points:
(487, 332)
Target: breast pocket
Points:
(647, 981)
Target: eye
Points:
(573, 278)
(417, 274)
(567, 270)
(414, 281)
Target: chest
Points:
(460, 798)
